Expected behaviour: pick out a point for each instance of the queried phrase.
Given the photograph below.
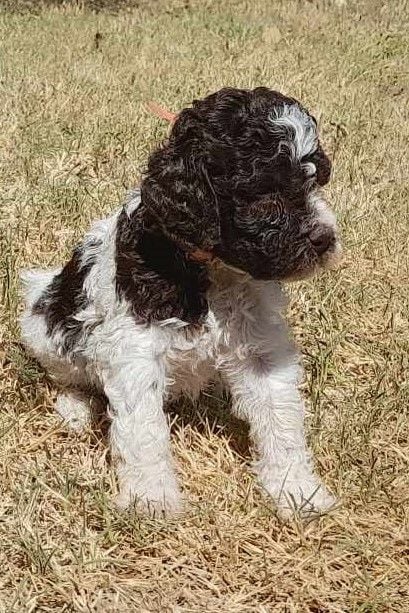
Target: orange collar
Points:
(198, 255)
(161, 112)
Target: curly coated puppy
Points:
(183, 284)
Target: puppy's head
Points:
(240, 178)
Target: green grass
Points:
(75, 136)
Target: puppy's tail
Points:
(35, 281)
(161, 112)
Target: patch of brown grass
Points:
(74, 136)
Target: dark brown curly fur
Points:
(221, 183)
(64, 298)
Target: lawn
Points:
(75, 135)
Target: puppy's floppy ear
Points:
(177, 193)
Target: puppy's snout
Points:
(322, 239)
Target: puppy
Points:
(183, 284)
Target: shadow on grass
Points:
(36, 6)
(211, 413)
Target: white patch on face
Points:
(298, 128)
(325, 217)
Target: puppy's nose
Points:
(322, 239)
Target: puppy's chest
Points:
(194, 351)
(190, 360)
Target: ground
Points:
(75, 136)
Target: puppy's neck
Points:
(224, 275)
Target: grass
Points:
(74, 137)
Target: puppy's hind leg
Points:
(76, 397)
(75, 409)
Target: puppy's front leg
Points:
(265, 393)
(140, 442)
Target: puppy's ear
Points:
(177, 192)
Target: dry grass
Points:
(74, 136)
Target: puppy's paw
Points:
(160, 500)
(306, 498)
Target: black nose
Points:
(322, 239)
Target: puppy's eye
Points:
(310, 170)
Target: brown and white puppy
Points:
(183, 283)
